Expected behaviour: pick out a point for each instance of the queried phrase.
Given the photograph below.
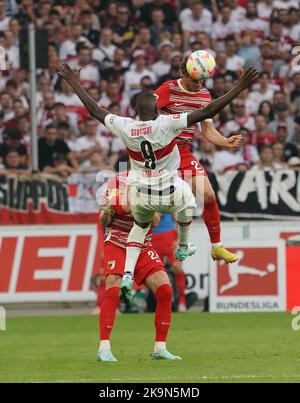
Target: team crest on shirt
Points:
(111, 264)
(176, 116)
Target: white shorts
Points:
(174, 198)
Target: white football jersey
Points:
(151, 146)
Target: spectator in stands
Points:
(60, 114)
(266, 162)
(68, 47)
(282, 119)
(248, 49)
(86, 21)
(240, 119)
(12, 163)
(18, 110)
(89, 73)
(11, 88)
(118, 68)
(115, 95)
(12, 140)
(133, 77)
(259, 26)
(4, 18)
(248, 150)
(261, 135)
(264, 92)
(225, 27)
(278, 156)
(195, 19)
(90, 142)
(123, 28)
(229, 160)
(163, 65)
(158, 26)
(64, 133)
(104, 52)
(168, 10)
(264, 9)
(143, 42)
(266, 109)
(53, 152)
(290, 149)
(25, 130)
(234, 62)
(6, 105)
(175, 69)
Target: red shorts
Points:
(164, 243)
(189, 165)
(114, 262)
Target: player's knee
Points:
(164, 293)
(113, 281)
(209, 197)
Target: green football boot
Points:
(181, 254)
(165, 355)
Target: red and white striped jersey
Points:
(151, 146)
(121, 224)
(172, 98)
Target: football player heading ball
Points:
(186, 95)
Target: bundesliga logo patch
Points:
(111, 264)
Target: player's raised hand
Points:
(65, 71)
(234, 141)
(248, 76)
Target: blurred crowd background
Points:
(124, 47)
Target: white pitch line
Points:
(201, 378)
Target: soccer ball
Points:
(200, 65)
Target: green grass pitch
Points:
(214, 348)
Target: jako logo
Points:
(296, 320)
(2, 318)
(296, 59)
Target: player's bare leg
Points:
(107, 316)
(159, 284)
(202, 188)
(135, 242)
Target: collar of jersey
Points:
(183, 89)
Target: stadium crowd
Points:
(127, 46)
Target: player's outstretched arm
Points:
(72, 79)
(216, 106)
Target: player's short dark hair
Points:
(144, 100)
(183, 67)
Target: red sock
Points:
(101, 293)
(108, 312)
(181, 286)
(211, 216)
(163, 311)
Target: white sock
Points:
(216, 245)
(159, 345)
(136, 235)
(104, 345)
(184, 222)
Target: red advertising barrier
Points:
(49, 263)
(292, 272)
(44, 216)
